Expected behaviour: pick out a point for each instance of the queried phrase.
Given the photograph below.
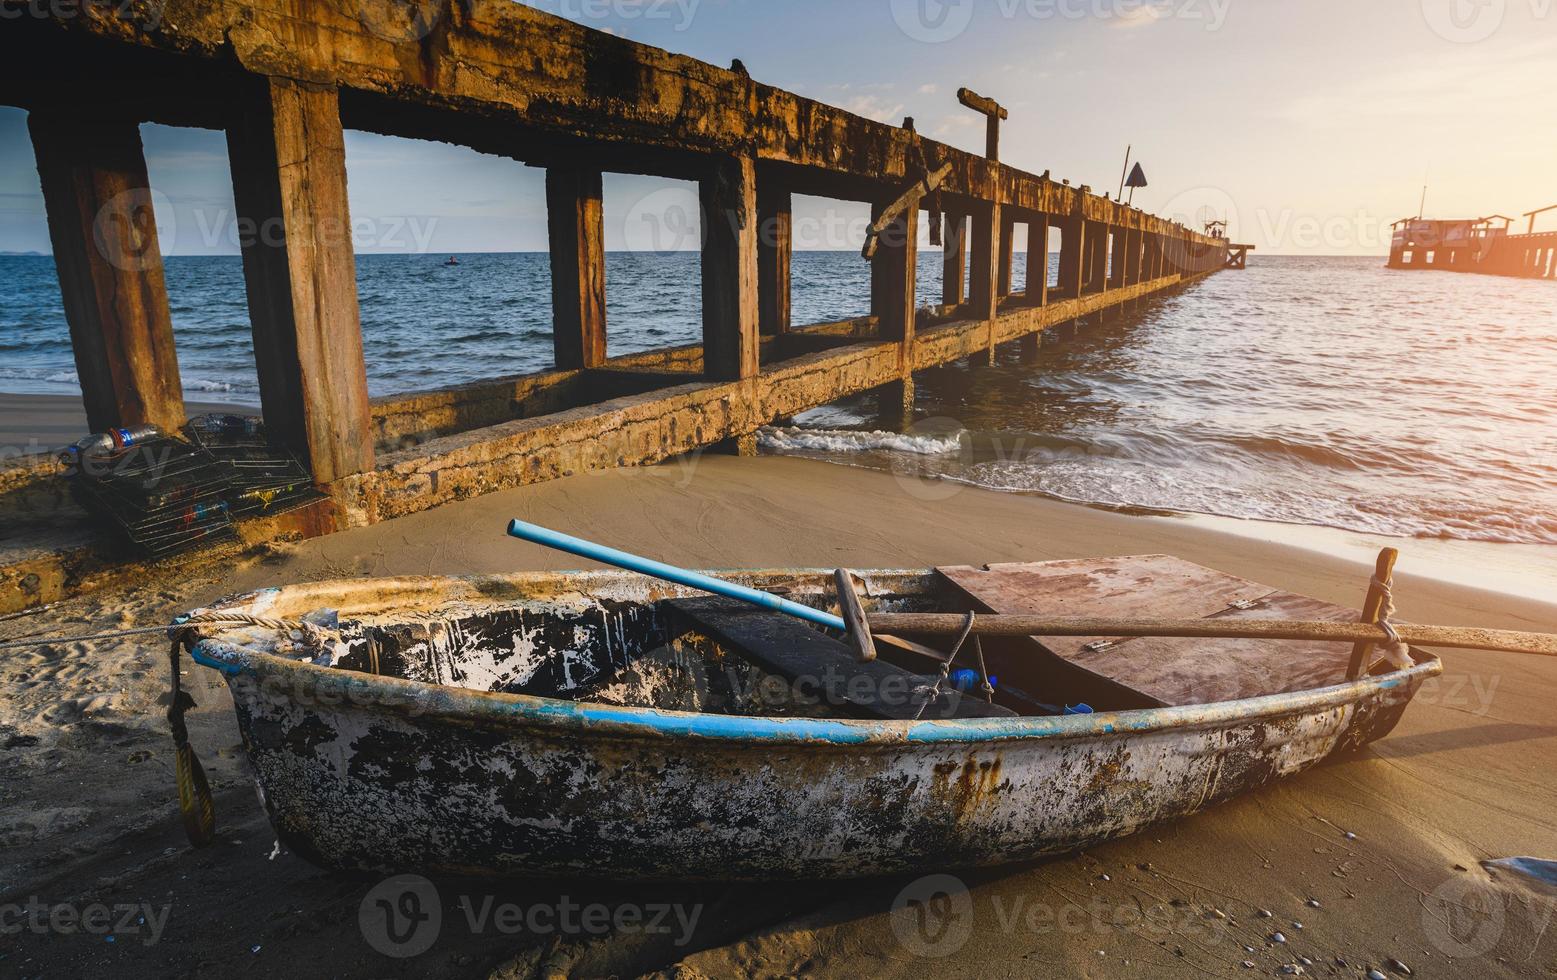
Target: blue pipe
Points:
(536, 534)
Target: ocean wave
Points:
(851, 441)
(202, 384)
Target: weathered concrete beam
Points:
(575, 222)
(98, 202)
(288, 162)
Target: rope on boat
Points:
(195, 801)
(946, 666)
(1396, 651)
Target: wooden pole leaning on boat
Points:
(854, 614)
(1446, 637)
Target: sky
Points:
(1309, 124)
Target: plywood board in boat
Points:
(1175, 671)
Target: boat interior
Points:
(683, 651)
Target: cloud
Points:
(950, 126)
(874, 107)
(929, 89)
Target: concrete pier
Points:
(284, 80)
(1476, 245)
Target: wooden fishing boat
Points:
(608, 724)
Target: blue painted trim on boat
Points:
(546, 537)
(430, 702)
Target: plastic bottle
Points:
(135, 435)
(102, 443)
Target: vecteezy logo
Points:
(401, 917)
(125, 229)
(933, 916)
(400, 21)
(1464, 918)
(933, 21)
(666, 220)
(1464, 21)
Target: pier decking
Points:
(284, 80)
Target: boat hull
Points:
(369, 773)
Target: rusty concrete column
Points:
(1030, 348)
(1072, 256)
(1007, 252)
(984, 293)
(288, 158)
(1133, 257)
(109, 261)
(575, 224)
(775, 251)
(1097, 236)
(955, 260)
(1118, 257)
(1038, 261)
(730, 319)
(893, 284)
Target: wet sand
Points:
(87, 812)
(40, 423)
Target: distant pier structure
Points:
(1486, 245)
(283, 80)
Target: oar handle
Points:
(1449, 637)
(535, 534)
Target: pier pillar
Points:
(729, 203)
(575, 221)
(109, 261)
(1118, 258)
(1007, 253)
(1031, 346)
(1133, 257)
(1038, 261)
(955, 258)
(1095, 279)
(775, 251)
(893, 280)
(1072, 257)
(896, 410)
(984, 294)
(745, 444)
(288, 158)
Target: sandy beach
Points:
(89, 814)
(39, 423)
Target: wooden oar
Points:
(1447, 637)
